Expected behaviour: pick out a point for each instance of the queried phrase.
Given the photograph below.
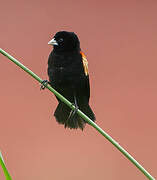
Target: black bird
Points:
(68, 74)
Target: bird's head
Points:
(65, 41)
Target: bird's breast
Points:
(65, 71)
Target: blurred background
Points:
(119, 40)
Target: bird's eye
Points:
(60, 40)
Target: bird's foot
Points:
(73, 112)
(43, 84)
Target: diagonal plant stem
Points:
(80, 113)
(6, 173)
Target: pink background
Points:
(120, 41)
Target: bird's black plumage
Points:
(67, 71)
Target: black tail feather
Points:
(62, 113)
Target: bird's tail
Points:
(62, 113)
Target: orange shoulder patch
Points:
(85, 63)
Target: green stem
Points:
(6, 173)
(116, 144)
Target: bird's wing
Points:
(85, 66)
(85, 63)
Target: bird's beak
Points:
(53, 42)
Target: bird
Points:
(68, 74)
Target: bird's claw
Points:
(73, 111)
(43, 84)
